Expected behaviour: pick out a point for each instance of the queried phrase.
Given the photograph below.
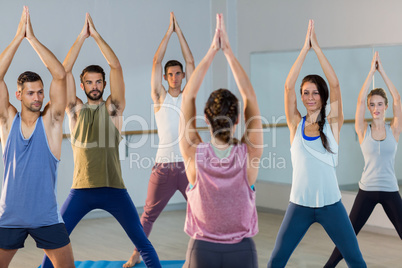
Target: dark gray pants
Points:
(202, 254)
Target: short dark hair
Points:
(92, 69)
(173, 63)
(27, 76)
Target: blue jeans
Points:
(336, 223)
(118, 203)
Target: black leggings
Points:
(201, 254)
(363, 207)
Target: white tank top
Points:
(167, 121)
(379, 161)
(314, 182)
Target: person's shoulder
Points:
(203, 146)
(241, 146)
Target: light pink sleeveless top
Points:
(221, 205)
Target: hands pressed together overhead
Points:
(221, 39)
(89, 27)
(311, 37)
(376, 64)
(173, 25)
(25, 27)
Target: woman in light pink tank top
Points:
(221, 213)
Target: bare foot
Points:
(134, 259)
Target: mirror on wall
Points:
(268, 72)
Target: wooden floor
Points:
(104, 239)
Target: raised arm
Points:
(6, 58)
(191, 137)
(53, 113)
(117, 87)
(335, 117)
(8, 111)
(57, 90)
(396, 123)
(185, 49)
(253, 135)
(68, 64)
(293, 116)
(360, 123)
(158, 91)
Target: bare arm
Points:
(185, 49)
(360, 123)
(158, 92)
(396, 124)
(335, 116)
(253, 135)
(191, 137)
(8, 111)
(53, 113)
(68, 64)
(6, 58)
(293, 116)
(57, 90)
(117, 87)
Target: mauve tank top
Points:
(221, 205)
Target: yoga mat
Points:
(119, 264)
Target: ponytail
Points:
(321, 124)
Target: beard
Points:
(94, 98)
(33, 108)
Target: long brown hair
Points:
(324, 93)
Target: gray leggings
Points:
(201, 254)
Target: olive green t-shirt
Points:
(95, 142)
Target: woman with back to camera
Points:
(315, 195)
(378, 142)
(221, 213)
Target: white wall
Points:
(281, 25)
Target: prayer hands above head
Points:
(29, 34)
(379, 64)
(374, 64)
(313, 37)
(171, 28)
(216, 42)
(176, 27)
(224, 39)
(85, 30)
(307, 42)
(21, 31)
(221, 39)
(91, 27)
